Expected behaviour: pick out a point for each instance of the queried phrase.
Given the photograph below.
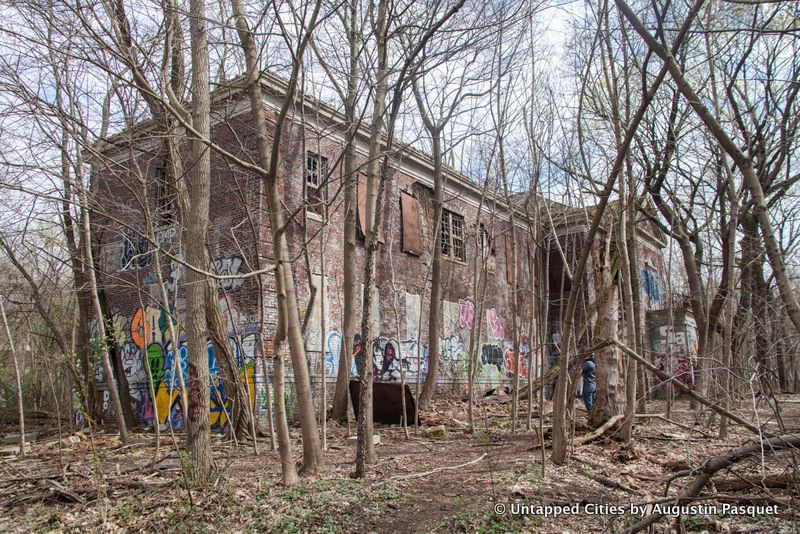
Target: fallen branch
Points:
(738, 484)
(712, 465)
(687, 427)
(438, 469)
(141, 484)
(686, 389)
(64, 492)
(599, 432)
(611, 483)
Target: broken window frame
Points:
(315, 192)
(486, 247)
(451, 236)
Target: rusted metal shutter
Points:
(509, 260)
(362, 203)
(412, 236)
(362, 207)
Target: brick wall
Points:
(142, 327)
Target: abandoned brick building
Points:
(476, 237)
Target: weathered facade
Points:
(129, 184)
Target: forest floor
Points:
(456, 482)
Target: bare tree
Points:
(268, 157)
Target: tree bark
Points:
(17, 377)
(365, 447)
(289, 314)
(342, 392)
(197, 420)
(435, 311)
(608, 402)
(116, 362)
(235, 388)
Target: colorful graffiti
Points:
(495, 325)
(466, 310)
(388, 355)
(145, 341)
(676, 351)
(650, 285)
(511, 361)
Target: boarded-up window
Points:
(362, 208)
(412, 236)
(362, 203)
(509, 260)
(165, 201)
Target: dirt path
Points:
(106, 488)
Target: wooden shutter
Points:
(362, 203)
(509, 260)
(362, 208)
(412, 236)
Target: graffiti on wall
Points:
(229, 266)
(386, 359)
(667, 340)
(495, 325)
(454, 358)
(145, 342)
(135, 253)
(511, 361)
(333, 350)
(676, 351)
(650, 285)
(389, 356)
(466, 315)
(176, 270)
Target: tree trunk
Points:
(236, 389)
(288, 469)
(365, 447)
(342, 392)
(197, 420)
(116, 362)
(629, 306)
(435, 311)
(102, 340)
(608, 401)
(289, 314)
(17, 377)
